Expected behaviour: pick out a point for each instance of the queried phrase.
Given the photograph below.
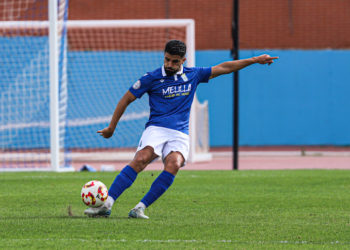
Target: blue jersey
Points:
(170, 97)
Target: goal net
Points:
(25, 82)
(98, 62)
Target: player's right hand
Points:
(106, 132)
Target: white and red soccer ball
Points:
(94, 193)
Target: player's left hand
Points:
(265, 59)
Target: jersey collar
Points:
(180, 72)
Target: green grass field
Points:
(303, 209)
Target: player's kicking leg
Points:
(172, 164)
(123, 181)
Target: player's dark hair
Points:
(175, 47)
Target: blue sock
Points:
(159, 186)
(123, 181)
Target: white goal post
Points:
(98, 41)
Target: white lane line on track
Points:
(283, 153)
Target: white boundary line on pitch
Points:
(189, 241)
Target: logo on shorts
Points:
(136, 85)
(140, 144)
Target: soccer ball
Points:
(94, 193)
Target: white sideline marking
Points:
(189, 241)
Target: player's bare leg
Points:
(172, 164)
(123, 181)
(142, 159)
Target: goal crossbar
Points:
(102, 23)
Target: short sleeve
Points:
(203, 73)
(141, 86)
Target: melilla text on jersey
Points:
(175, 91)
(180, 90)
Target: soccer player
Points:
(171, 89)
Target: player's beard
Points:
(170, 73)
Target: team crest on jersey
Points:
(184, 77)
(136, 85)
(161, 80)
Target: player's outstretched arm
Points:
(118, 112)
(233, 66)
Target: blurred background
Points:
(302, 99)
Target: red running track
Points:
(247, 163)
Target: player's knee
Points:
(173, 165)
(139, 162)
(173, 169)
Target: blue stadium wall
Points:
(302, 99)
